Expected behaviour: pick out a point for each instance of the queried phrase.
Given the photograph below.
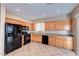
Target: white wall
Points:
(2, 28)
(77, 35)
(75, 29)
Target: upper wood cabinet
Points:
(58, 25)
(14, 21)
(31, 26)
(68, 24)
(50, 25)
(47, 26)
(63, 25)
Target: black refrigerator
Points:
(13, 37)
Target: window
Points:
(40, 27)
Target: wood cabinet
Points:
(59, 41)
(50, 25)
(36, 38)
(58, 25)
(68, 24)
(68, 43)
(14, 21)
(51, 40)
(47, 26)
(54, 40)
(65, 42)
(63, 25)
(31, 26)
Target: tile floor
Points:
(38, 49)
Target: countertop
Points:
(50, 33)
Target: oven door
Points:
(27, 39)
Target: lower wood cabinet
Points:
(55, 40)
(51, 40)
(68, 42)
(36, 38)
(59, 41)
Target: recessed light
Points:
(58, 11)
(43, 15)
(18, 9)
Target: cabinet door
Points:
(68, 43)
(50, 25)
(39, 38)
(63, 25)
(46, 26)
(31, 26)
(36, 38)
(59, 41)
(67, 25)
(59, 25)
(51, 40)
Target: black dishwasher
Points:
(44, 39)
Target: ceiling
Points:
(34, 11)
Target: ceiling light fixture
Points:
(18, 9)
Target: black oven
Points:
(27, 35)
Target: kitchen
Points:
(56, 32)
